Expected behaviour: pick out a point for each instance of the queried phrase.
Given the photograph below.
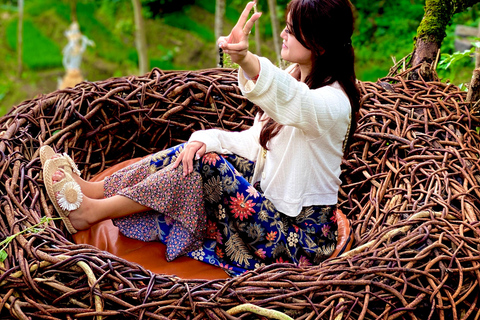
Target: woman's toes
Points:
(57, 176)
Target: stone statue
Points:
(72, 56)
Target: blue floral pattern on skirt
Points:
(243, 229)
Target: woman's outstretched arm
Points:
(236, 43)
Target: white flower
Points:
(198, 254)
(70, 197)
(292, 239)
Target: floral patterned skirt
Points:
(215, 215)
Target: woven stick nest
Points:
(410, 187)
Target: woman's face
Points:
(292, 50)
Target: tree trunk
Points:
(140, 38)
(20, 38)
(431, 32)
(73, 10)
(219, 14)
(473, 94)
(477, 51)
(272, 7)
(258, 41)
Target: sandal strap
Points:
(72, 164)
(47, 153)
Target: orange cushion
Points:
(150, 255)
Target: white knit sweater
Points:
(302, 165)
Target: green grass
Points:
(39, 51)
(107, 44)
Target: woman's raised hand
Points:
(193, 149)
(236, 43)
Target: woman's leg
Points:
(93, 190)
(103, 200)
(94, 210)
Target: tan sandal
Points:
(66, 194)
(62, 160)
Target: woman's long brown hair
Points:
(325, 27)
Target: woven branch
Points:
(410, 187)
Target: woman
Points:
(271, 196)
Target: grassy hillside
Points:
(183, 40)
(180, 40)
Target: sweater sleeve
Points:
(244, 143)
(293, 103)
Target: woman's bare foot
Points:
(94, 190)
(79, 218)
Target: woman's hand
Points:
(236, 43)
(193, 149)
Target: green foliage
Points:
(3, 91)
(228, 63)
(95, 27)
(39, 51)
(232, 10)
(110, 9)
(448, 59)
(166, 61)
(8, 7)
(184, 39)
(460, 71)
(183, 21)
(232, 14)
(390, 19)
(107, 44)
(207, 5)
(117, 15)
(163, 7)
(37, 8)
(33, 229)
(383, 29)
(235, 8)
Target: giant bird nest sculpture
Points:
(411, 188)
